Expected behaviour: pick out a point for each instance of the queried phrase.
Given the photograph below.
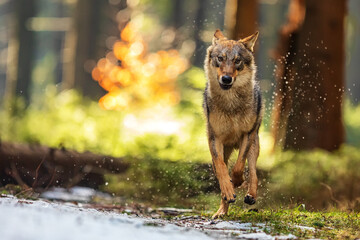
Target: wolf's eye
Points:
(237, 61)
(220, 58)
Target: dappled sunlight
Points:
(163, 123)
(135, 78)
(266, 156)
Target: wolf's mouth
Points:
(225, 86)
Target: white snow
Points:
(25, 219)
(305, 227)
(42, 220)
(236, 225)
(261, 235)
(78, 194)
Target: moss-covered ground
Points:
(331, 224)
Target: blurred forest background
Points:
(124, 78)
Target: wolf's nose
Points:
(226, 79)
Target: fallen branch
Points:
(41, 166)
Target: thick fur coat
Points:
(233, 109)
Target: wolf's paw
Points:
(249, 200)
(228, 193)
(229, 197)
(231, 200)
(219, 214)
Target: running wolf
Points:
(233, 109)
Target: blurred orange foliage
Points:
(135, 78)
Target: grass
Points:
(332, 224)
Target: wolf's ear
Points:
(217, 36)
(249, 42)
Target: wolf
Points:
(234, 109)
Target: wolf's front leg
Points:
(252, 156)
(238, 169)
(222, 174)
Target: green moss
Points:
(301, 223)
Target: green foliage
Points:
(168, 148)
(352, 123)
(158, 9)
(318, 178)
(194, 78)
(192, 84)
(64, 120)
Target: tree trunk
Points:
(87, 25)
(41, 166)
(241, 18)
(84, 40)
(94, 24)
(199, 24)
(24, 50)
(310, 81)
(285, 54)
(177, 13)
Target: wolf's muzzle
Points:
(226, 82)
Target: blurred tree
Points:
(178, 13)
(310, 78)
(85, 34)
(198, 27)
(4, 38)
(353, 51)
(21, 51)
(94, 23)
(241, 18)
(282, 102)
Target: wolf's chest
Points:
(229, 128)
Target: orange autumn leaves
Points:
(135, 78)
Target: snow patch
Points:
(78, 194)
(42, 220)
(235, 225)
(305, 227)
(262, 236)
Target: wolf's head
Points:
(232, 61)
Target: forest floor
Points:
(60, 214)
(42, 219)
